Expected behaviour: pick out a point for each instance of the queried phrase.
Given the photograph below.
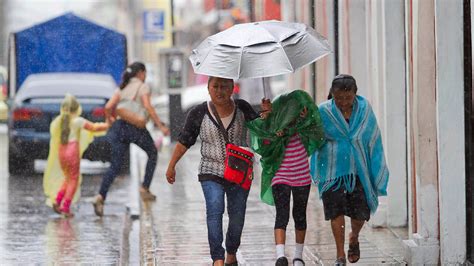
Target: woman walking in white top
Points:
(132, 104)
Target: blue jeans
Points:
(236, 205)
(121, 134)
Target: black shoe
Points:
(281, 261)
(298, 259)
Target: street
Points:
(402, 124)
(31, 233)
(172, 229)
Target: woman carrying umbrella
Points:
(256, 50)
(350, 168)
(202, 123)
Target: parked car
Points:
(37, 103)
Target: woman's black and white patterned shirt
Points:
(200, 122)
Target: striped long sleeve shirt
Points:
(294, 169)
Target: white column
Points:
(450, 120)
(353, 32)
(325, 66)
(395, 111)
(287, 10)
(423, 245)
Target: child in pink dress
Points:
(70, 136)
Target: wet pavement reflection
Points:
(31, 233)
(176, 233)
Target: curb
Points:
(132, 229)
(135, 172)
(146, 243)
(147, 237)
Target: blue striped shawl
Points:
(351, 149)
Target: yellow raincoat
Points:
(53, 175)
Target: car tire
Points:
(19, 165)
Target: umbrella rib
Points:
(240, 62)
(287, 59)
(204, 59)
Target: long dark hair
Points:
(343, 82)
(130, 72)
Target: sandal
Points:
(68, 214)
(147, 195)
(341, 261)
(353, 251)
(298, 259)
(56, 208)
(99, 206)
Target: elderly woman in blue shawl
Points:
(350, 167)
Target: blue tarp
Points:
(69, 44)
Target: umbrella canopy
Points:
(259, 49)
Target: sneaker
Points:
(281, 261)
(147, 195)
(99, 206)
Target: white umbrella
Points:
(259, 49)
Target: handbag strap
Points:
(137, 91)
(219, 121)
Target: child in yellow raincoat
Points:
(70, 136)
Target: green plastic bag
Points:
(285, 117)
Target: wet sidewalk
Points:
(173, 229)
(31, 233)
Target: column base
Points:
(421, 251)
(379, 219)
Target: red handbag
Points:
(238, 163)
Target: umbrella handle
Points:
(264, 90)
(264, 111)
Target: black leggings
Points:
(281, 195)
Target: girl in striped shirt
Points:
(285, 139)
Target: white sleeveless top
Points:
(134, 91)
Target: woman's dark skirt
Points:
(341, 202)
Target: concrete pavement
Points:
(173, 229)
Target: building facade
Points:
(409, 58)
(412, 60)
